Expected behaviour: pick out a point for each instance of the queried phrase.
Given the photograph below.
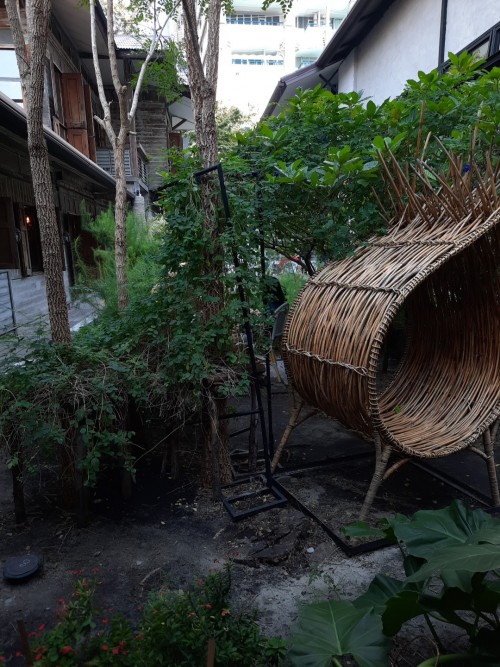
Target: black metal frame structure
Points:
(265, 483)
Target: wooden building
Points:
(81, 158)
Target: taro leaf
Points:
(489, 534)
(399, 609)
(381, 589)
(362, 529)
(412, 564)
(485, 597)
(463, 557)
(458, 579)
(334, 629)
(432, 530)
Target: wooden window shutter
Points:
(8, 250)
(74, 112)
(175, 140)
(90, 123)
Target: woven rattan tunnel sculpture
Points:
(441, 261)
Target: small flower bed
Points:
(174, 629)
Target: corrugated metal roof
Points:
(128, 42)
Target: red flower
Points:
(115, 650)
(65, 650)
(200, 582)
(208, 606)
(225, 612)
(18, 654)
(2, 659)
(39, 656)
(104, 620)
(121, 644)
(61, 600)
(104, 647)
(42, 627)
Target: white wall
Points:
(468, 19)
(406, 40)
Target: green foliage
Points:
(292, 283)
(174, 629)
(58, 397)
(320, 156)
(230, 121)
(451, 559)
(142, 266)
(162, 73)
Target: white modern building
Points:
(258, 47)
(383, 43)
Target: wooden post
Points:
(25, 644)
(211, 652)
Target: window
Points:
(304, 61)
(256, 61)
(306, 21)
(253, 19)
(335, 22)
(10, 81)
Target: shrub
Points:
(174, 629)
(451, 559)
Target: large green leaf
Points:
(399, 609)
(334, 629)
(394, 600)
(431, 530)
(463, 557)
(488, 534)
(381, 589)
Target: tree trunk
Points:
(31, 63)
(18, 486)
(216, 466)
(216, 462)
(121, 221)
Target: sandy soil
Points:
(172, 533)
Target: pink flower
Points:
(104, 647)
(42, 627)
(115, 650)
(225, 612)
(65, 650)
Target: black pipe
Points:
(442, 33)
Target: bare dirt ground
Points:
(172, 533)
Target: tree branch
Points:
(154, 43)
(106, 123)
(212, 60)
(192, 42)
(113, 63)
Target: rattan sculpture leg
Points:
(274, 361)
(382, 454)
(489, 450)
(297, 405)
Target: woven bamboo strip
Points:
(441, 261)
